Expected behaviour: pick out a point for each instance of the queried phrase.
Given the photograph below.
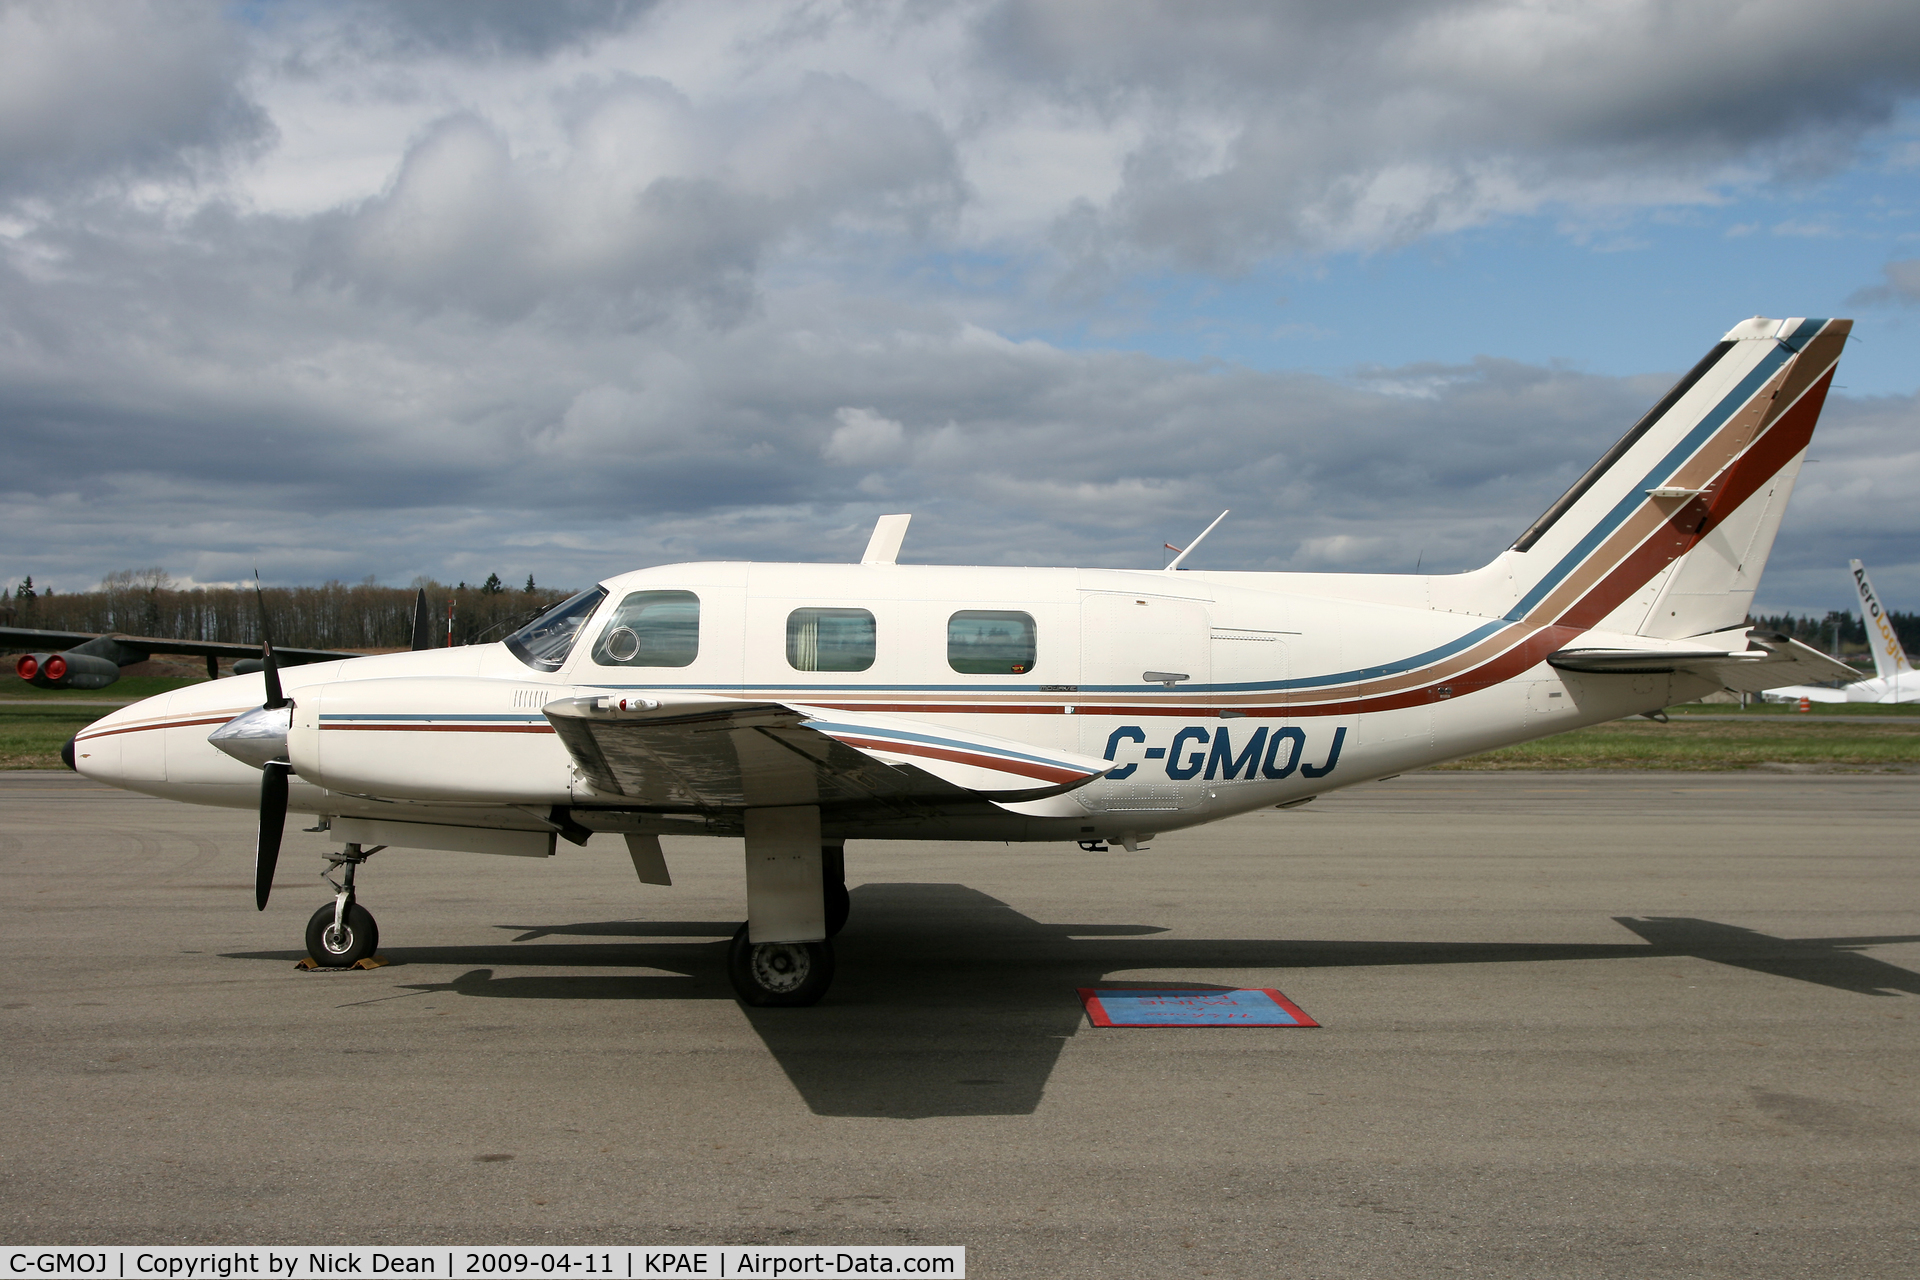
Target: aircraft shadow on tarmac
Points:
(949, 1002)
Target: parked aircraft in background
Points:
(801, 706)
(88, 660)
(1894, 680)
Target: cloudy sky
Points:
(458, 286)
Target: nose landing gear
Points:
(343, 933)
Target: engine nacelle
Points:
(429, 738)
(69, 670)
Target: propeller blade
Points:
(268, 666)
(273, 821)
(271, 669)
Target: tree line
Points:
(333, 615)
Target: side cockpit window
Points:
(544, 643)
(986, 642)
(651, 629)
(830, 639)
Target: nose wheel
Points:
(344, 944)
(342, 933)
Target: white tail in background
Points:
(1889, 658)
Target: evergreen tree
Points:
(492, 586)
(25, 592)
(529, 583)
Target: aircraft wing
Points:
(730, 754)
(1768, 661)
(24, 639)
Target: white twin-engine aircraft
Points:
(804, 705)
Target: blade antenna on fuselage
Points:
(1197, 541)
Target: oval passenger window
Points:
(990, 642)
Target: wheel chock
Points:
(309, 964)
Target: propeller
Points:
(259, 738)
(273, 780)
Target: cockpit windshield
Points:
(544, 643)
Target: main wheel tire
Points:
(357, 938)
(839, 907)
(779, 975)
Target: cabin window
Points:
(830, 639)
(990, 642)
(652, 629)
(544, 643)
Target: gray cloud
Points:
(1303, 127)
(91, 90)
(493, 27)
(654, 201)
(319, 434)
(1900, 285)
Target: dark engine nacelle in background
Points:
(70, 670)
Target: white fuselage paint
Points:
(1269, 714)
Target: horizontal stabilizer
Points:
(1767, 660)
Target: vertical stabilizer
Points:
(1889, 658)
(1667, 534)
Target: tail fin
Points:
(1667, 534)
(1889, 659)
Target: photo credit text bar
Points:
(478, 1262)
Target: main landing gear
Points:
(342, 933)
(789, 974)
(773, 975)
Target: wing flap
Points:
(733, 754)
(981, 763)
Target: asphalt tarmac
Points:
(1574, 1025)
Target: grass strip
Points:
(1769, 710)
(125, 689)
(31, 736)
(1714, 745)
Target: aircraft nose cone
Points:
(257, 737)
